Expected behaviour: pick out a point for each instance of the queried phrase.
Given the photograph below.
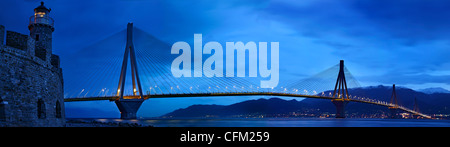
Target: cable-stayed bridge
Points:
(150, 73)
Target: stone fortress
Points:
(31, 81)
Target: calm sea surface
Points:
(282, 122)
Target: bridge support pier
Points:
(340, 107)
(128, 107)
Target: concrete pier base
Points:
(128, 107)
(340, 107)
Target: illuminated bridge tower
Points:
(129, 105)
(342, 98)
(394, 104)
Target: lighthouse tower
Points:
(41, 29)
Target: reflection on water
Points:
(280, 122)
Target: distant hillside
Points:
(250, 107)
(434, 90)
(428, 103)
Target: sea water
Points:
(279, 122)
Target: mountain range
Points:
(434, 103)
(434, 90)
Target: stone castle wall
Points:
(2, 34)
(17, 40)
(31, 89)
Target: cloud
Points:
(381, 36)
(405, 79)
(412, 20)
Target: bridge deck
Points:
(113, 98)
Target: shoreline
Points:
(94, 123)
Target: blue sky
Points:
(405, 42)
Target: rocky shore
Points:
(93, 123)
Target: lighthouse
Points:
(41, 29)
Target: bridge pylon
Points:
(394, 104)
(416, 109)
(341, 96)
(128, 107)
